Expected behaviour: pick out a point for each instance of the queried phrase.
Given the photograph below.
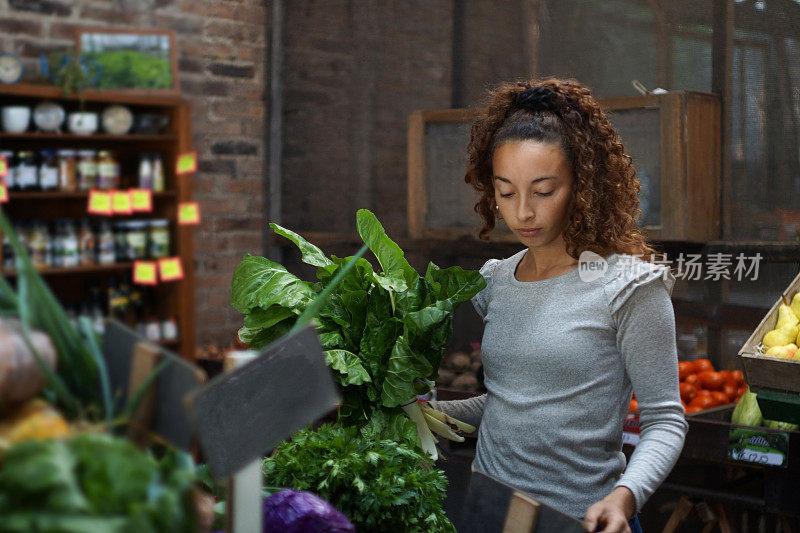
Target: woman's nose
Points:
(525, 210)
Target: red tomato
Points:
(694, 409)
(704, 392)
(739, 377)
(703, 402)
(688, 392)
(692, 379)
(711, 380)
(727, 375)
(685, 368)
(702, 365)
(720, 397)
(741, 390)
(730, 391)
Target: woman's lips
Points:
(528, 232)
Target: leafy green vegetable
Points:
(96, 482)
(384, 333)
(380, 485)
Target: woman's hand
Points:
(611, 514)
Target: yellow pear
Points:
(783, 352)
(796, 356)
(795, 306)
(780, 337)
(786, 317)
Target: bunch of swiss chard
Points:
(384, 332)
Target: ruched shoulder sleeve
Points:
(629, 273)
(481, 300)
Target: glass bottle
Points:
(86, 243)
(107, 170)
(145, 172)
(158, 173)
(106, 248)
(48, 170)
(70, 246)
(25, 174)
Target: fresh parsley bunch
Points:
(380, 485)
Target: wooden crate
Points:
(761, 371)
(674, 139)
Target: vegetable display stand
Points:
(94, 284)
(708, 476)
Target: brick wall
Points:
(221, 47)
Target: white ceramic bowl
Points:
(83, 123)
(16, 118)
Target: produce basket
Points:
(765, 372)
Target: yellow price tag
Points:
(121, 202)
(144, 273)
(100, 203)
(141, 200)
(189, 213)
(187, 163)
(170, 269)
(3, 166)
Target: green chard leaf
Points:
(390, 256)
(404, 367)
(258, 282)
(454, 283)
(351, 372)
(311, 254)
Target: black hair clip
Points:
(536, 99)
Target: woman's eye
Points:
(509, 195)
(545, 193)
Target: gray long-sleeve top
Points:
(561, 357)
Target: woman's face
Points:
(532, 188)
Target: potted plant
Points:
(73, 73)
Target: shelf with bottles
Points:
(78, 171)
(131, 304)
(85, 245)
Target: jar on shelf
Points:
(67, 170)
(86, 243)
(152, 329)
(70, 246)
(169, 329)
(25, 172)
(121, 241)
(37, 243)
(137, 239)
(87, 170)
(159, 238)
(108, 175)
(48, 170)
(10, 164)
(105, 245)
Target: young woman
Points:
(575, 321)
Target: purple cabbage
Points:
(291, 511)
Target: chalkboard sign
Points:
(673, 138)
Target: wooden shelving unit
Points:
(72, 284)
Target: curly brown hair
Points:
(604, 207)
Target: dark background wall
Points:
(352, 72)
